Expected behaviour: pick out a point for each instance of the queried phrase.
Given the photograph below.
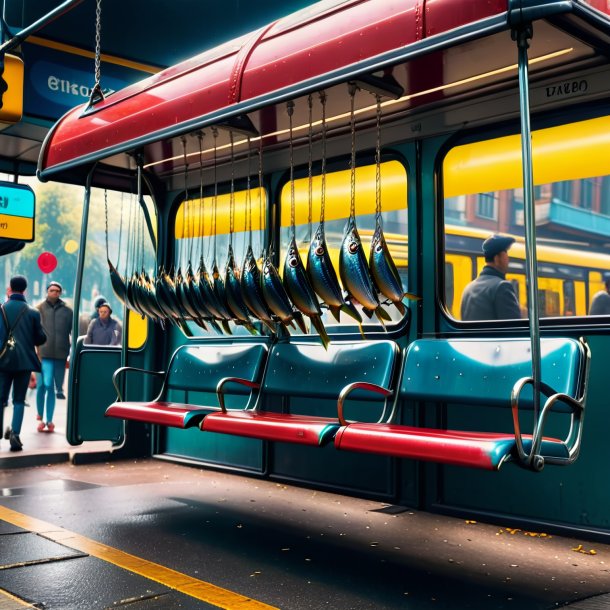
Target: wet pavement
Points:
(42, 447)
(65, 532)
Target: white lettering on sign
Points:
(65, 86)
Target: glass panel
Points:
(483, 196)
(393, 186)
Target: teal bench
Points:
(192, 368)
(301, 384)
(480, 373)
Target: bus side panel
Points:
(577, 496)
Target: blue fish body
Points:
(276, 298)
(323, 277)
(383, 270)
(251, 290)
(354, 270)
(300, 291)
(233, 291)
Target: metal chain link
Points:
(378, 160)
(352, 209)
(310, 164)
(323, 168)
(290, 110)
(98, 43)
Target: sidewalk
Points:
(42, 447)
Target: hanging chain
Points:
(352, 209)
(201, 223)
(106, 212)
(97, 94)
(98, 43)
(378, 160)
(290, 110)
(141, 205)
(215, 210)
(248, 219)
(260, 192)
(323, 168)
(232, 195)
(310, 164)
(185, 215)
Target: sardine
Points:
(276, 298)
(251, 290)
(118, 283)
(300, 290)
(219, 291)
(384, 273)
(355, 275)
(323, 277)
(233, 291)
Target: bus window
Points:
(393, 178)
(449, 285)
(483, 195)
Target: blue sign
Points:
(57, 81)
(17, 210)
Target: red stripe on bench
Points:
(177, 415)
(266, 425)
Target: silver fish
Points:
(323, 277)
(300, 290)
(384, 273)
(251, 290)
(233, 292)
(276, 298)
(355, 275)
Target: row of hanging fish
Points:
(255, 291)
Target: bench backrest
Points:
(199, 368)
(307, 369)
(484, 371)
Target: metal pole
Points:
(522, 36)
(18, 38)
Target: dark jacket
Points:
(600, 305)
(57, 323)
(28, 334)
(104, 333)
(490, 297)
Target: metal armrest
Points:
(239, 380)
(358, 385)
(534, 459)
(125, 369)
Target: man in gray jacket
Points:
(57, 322)
(491, 296)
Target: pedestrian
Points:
(85, 318)
(57, 321)
(600, 303)
(104, 330)
(16, 370)
(491, 296)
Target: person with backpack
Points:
(22, 333)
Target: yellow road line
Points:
(207, 592)
(9, 601)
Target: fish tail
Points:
(215, 326)
(350, 310)
(401, 307)
(226, 327)
(251, 329)
(361, 329)
(335, 311)
(269, 325)
(200, 323)
(411, 296)
(382, 315)
(319, 326)
(298, 318)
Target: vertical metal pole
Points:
(522, 36)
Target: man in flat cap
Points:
(491, 296)
(600, 303)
